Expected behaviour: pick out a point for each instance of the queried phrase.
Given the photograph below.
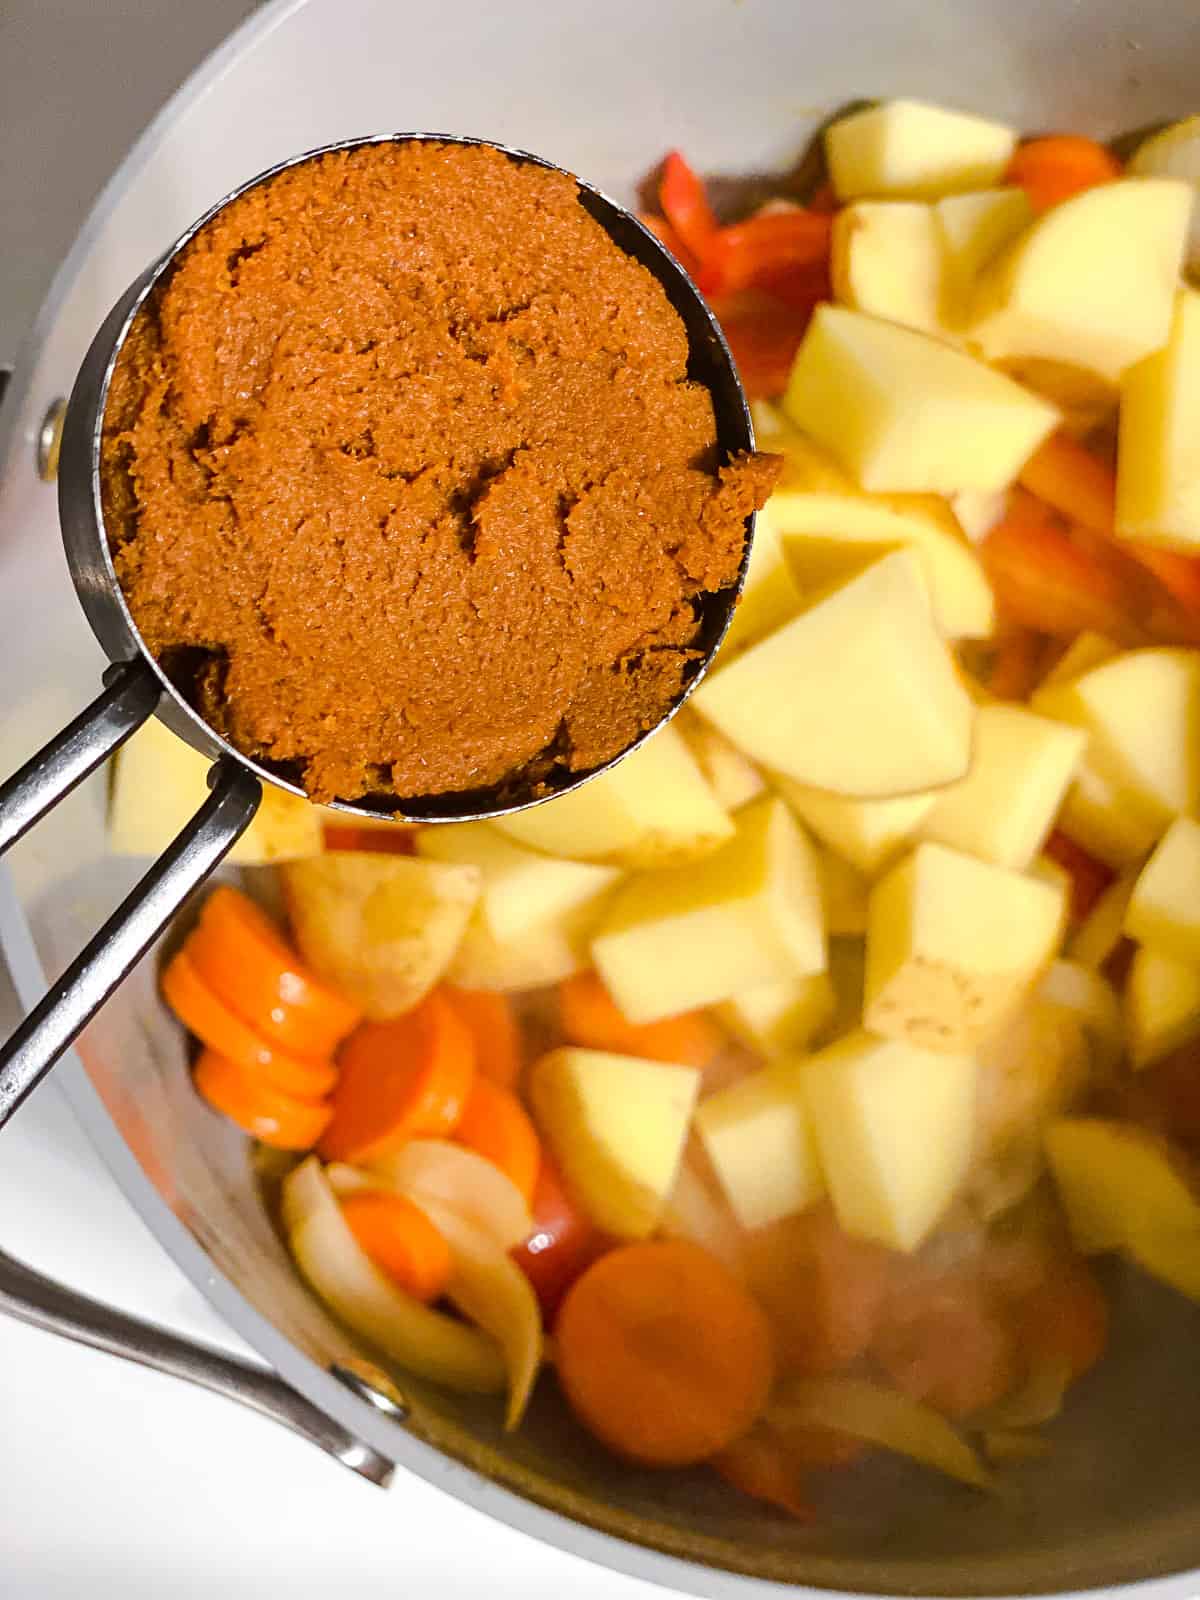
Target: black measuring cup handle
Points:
(130, 695)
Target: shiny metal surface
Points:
(39, 1301)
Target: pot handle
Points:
(130, 695)
(29, 1297)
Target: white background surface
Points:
(115, 1481)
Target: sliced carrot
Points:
(1055, 168)
(496, 1032)
(396, 841)
(404, 1079)
(215, 1025)
(823, 1291)
(496, 1126)
(1065, 1318)
(761, 1465)
(241, 955)
(590, 1017)
(663, 1354)
(1089, 877)
(401, 1241)
(684, 202)
(258, 1109)
(562, 1243)
(944, 1339)
(1043, 580)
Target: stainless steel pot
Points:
(739, 86)
(137, 686)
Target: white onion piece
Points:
(454, 1176)
(425, 1341)
(344, 1180)
(884, 1417)
(489, 1287)
(1072, 987)
(1039, 1399)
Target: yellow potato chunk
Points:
(1122, 1190)
(975, 228)
(866, 833)
(692, 936)
(892, 716)
(887, 259)
(1164, 909)
(911, 149)
(652, 809)
(758, 1136)
(953, 944)
(159, 783)
(894, 1126)
(1162, 1005)
(1045, 298)
(782, 1017)
(616, 1126)
(906, 413)
(1102, 930)
(1021, 766)
(771, 594)
(732, 777)
(383, 928)
(1158, 457)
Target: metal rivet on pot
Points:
(49, 438)
(374, 1386)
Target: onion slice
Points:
(427, 1342)
(1069, 986)
(451, 1175)
(884, 1417)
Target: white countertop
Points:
(119, 1482)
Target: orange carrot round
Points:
(496, 1032)
(496, 1126)
(1055, 168)
(590, 1017)
(240, 954)
(761, 1465)
(258, 1109)
(662, 1354)
(401, 1241)
(1065, 1318)
(215, 1025)
(404, 1079)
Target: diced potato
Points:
(1150, 762)
(782, 1017)
(866, 833)
(1104, 926)
(543, 955)
(651, 810)
(978, 511)
(692, 936)
(904, 412)
(1162, 1005)
(1164, 909)
(1046, 297)
(894, 1126)
(1158, 457)
(1085, 651)
(758, 1136)
(616, 1126)
(952, 945)
(383, 928)
(975, 228)
(911, 149)
(732, 777)
(522, 889)
(1021, 765)
(1174, 152)
(159, 783)
(770, 595)
(1121, 1191)
(845, 894)
(1106, 819)
(887, 259)
(893, 718)
(1087, 997)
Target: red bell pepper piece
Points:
(562, 1242)
(684, 202)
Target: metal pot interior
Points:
(739, 85)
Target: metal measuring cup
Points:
(136, 686)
